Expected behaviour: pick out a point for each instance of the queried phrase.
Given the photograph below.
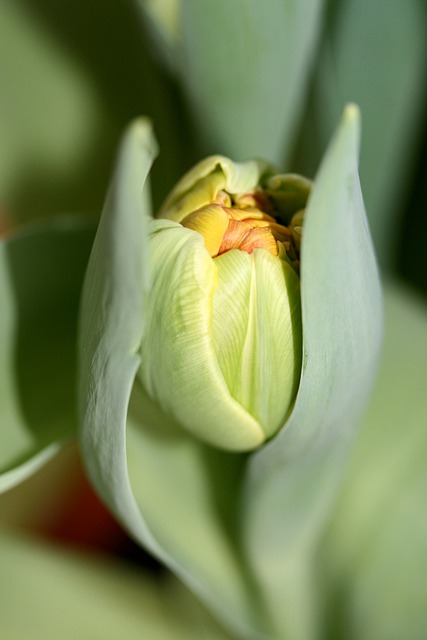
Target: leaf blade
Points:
(393, 55)
(375, 547)
(291, 483)
(125, 460)
(41, 272)
(245, 70)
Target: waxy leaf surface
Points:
(41, 273)
(292, 481)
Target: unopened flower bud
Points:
(223, 340)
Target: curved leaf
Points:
(386, 77)
(112, 321)
(168, 489)
(292, 481)
(245, 68)
(374, 556)
(49, 117)
(161, 17)
(186, 492)
(41, 272)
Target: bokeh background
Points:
(72, 76)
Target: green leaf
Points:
(161, 18)
(49, 116)
(244, 66)
(186, 492)
(375, 56)
(73, 82)
(292, 481)
(374, 556)
(41, 272)
(168, 489)
(112, 322)
(51, 593)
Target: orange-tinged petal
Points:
(234, 235)
(260, 238)
(242, 235)
(211, 222)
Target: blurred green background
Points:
(72, 76)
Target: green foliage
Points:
(309, 537)
(41, 273)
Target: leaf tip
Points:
(140, 132)
(352, 113)
(351, 119)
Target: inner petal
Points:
(242, 235)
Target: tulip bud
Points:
(222, 346)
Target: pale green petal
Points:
(293, 480)
(375, 552)
(257, 333)
(49, 592)
(245, 67)
(41, 273)
(239, 177)
(179, 367)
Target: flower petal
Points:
(179, 367)
(233, 177)
(257, 332)
(211, 222)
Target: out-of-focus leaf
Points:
(41, 273)
(187, 494)
(49, 593)
(168, 489)
(292, 481)
(48, 111)
(245, 66)
(37, 501)
(376, 57)
(375, 552)
(70, 84)
(161, 18)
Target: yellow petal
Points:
(242, 235)
(211, 222)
